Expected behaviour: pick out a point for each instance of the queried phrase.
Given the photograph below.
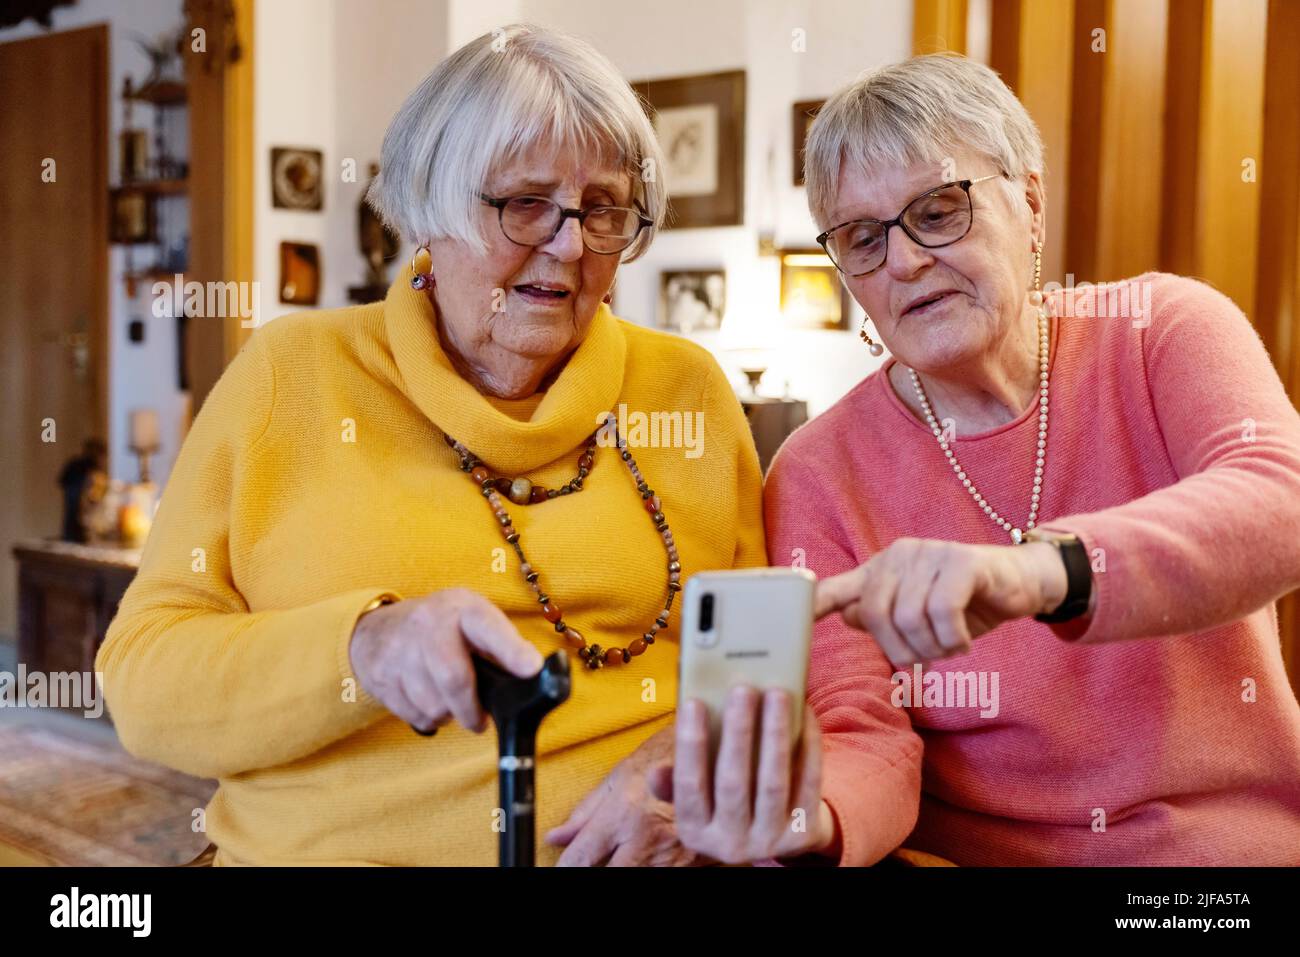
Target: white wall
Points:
(294, 96)
(330, 74)
(140, 375)
(383, 50)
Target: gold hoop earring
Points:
(875, 348)
(421, 280)
(1036, 296)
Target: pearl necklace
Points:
(1017, 536)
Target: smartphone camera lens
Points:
(706, 637)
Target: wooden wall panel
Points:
(1087, 92)
(1032, 47)
(1277, 284)
(1154, 133)
(1182, 129)
(1130, 139)
(1231, 131)
(1005, 35)
(1116, 142)
(939, 25)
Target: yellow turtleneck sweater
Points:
(316, 479)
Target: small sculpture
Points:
(379, 243)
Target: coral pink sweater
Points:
(1162, 730)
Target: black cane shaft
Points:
(518, 844)
(517, 706)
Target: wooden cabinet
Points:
(67, 595)
(772, 421)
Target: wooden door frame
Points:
(100, 321)
(221, 195)
(239, 199)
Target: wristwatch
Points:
(1078, 577)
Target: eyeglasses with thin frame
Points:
(938, 217)
(536, 220)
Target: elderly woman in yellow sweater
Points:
(370, 495)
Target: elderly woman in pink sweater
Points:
(1050, 529)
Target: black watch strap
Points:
(1078, 576)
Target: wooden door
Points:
(53, 277)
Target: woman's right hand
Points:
(413, 656)
(922, 599)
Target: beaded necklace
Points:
(522, 491)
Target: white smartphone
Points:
(751, 627)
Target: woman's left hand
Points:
(923, 599)
(623, 823)
(737, 812)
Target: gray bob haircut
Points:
(918, 111)
(496, 97)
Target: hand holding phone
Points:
(747, 765)
(748, 627)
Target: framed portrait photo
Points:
(812, 296)
(692, 300)
(700, 122)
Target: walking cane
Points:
(517, 706)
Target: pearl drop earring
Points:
(875, 348)
(1036, 296)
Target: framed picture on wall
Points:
(296, 178)
(700, 122)
(803, 114)
(299, 273)
(812, 296)
(691, 300)
(132, 217)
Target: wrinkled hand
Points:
(623, 822)
(413, 656)
(923, 599)
(737, 812)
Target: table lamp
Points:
(144, 438)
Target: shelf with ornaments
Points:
(149, 205)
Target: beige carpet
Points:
(70, 801)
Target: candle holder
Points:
(144, 440)
(142, 454)
(755, 375)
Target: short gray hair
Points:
(507, 91)
(918, 111)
